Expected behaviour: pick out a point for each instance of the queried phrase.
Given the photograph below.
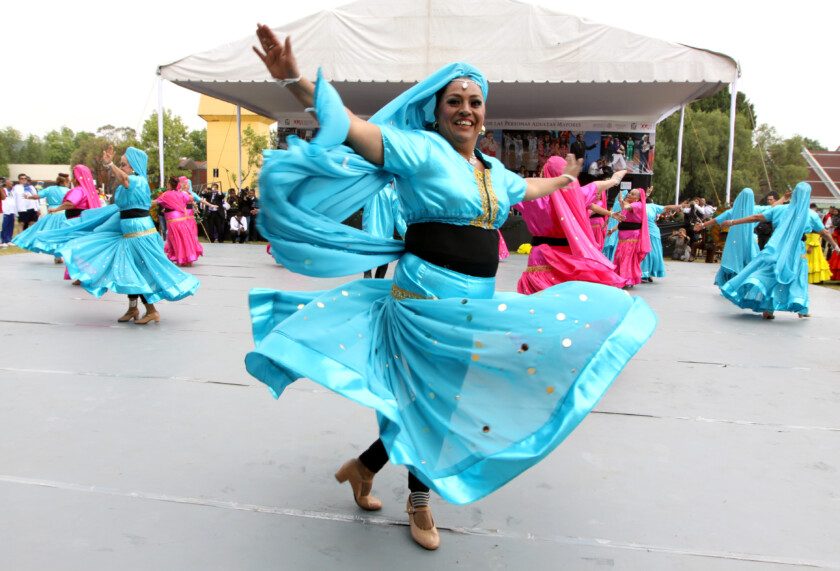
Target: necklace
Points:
(472, 160)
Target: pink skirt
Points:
(503, 249)
(182, 245)
(628, 260)
(599, 234)
(552, 265)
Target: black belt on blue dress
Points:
(540, 240)
(629, 225)
(133, 213)
(72, 212)
(467, 250)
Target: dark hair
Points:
(173, 181)
(813, 205)
(62, 179)
(22, 175)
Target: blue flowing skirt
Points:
(757, 286)
(29, 238)
(471, 387)
(653, 266)
(126, 256)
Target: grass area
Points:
(11, 250)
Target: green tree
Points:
(33, 151)
(198, 149)
(253, 146)
(10, 142)
(59, 146)
(176, 142)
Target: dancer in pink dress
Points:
(82, 196)
(181, 246)
(633, 237)
(563, 246)
(596, 203)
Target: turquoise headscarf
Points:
(138, 160)
(741, 246)
(785, 243)
(310, 188)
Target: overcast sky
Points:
(54, 51)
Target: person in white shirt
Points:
(27, 209)
(238, 228)
(9, 212)
(596, 169)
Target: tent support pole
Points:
(160, 130)
(239, 146)
(679, 153)
(733, 91)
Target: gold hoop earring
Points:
(483, 130)
(435, 126)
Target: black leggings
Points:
(133, 296)
(380, 272)
(375, 457)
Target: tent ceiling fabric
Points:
(540, 63)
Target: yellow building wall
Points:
(222, 152)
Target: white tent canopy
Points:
(373, 49)
(540, 64)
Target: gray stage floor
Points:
(151, 448)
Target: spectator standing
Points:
(9, 212)
(27, 212)
(215, 213)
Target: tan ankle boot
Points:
(151, 315)
(361, 480)
(422, 525)
(131, 313)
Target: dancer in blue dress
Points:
(117, 248)
(381, 216)
(653, 266)
(471, 387)
(611, 240)
(777, 278)
(54, 195)
(741, 245)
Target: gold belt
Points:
(399, 293)
(182, 218)
(629, 240)
(140, 233)
(538, 269)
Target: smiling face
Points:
(460, 114)
(634, 195)
(124, 166)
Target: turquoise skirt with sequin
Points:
(29, 238)
(470, 387)
(757, 286)
(123, 256)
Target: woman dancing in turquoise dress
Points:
(117, 248)
(471, 387)
(777, 277)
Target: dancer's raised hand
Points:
(277, 57)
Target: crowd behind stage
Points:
(221, 216)
(232, 215)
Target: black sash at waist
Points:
(72, 212)
(467, 250)
(540, 240)
(629, 225)
(133, 213)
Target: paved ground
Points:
(151, 448)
